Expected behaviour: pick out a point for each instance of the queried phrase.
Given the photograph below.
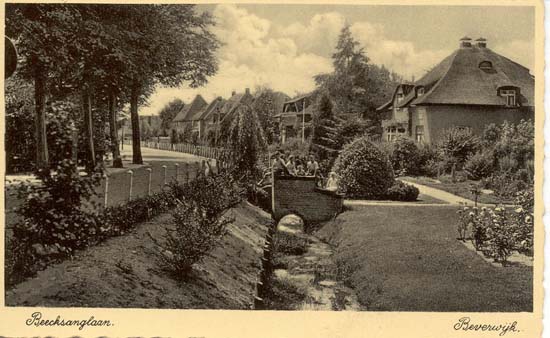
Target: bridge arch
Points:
(301, 196)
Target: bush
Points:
(458, 144)
(497, 232)
(406, 157)
(479, 165)
(289, 244)
(198, 222)
(364, 170)
(402, 192)
(196, 231)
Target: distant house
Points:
(184, 120)
(296, 117)
(204, 119)
(470, 89)
(209, 118)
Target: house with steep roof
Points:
(185, 119)
(296, 117)
(470, 89)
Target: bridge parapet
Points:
(300, 196)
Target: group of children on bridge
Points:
(290, 165)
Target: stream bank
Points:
(304, 274)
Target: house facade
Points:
(296, 117)
(184, 120)
(203, 120)
(469, 89)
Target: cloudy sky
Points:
(284, 46)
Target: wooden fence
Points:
(203, 151)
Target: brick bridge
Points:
(301, 197)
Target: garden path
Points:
(440, 194)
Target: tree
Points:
(325, 141)
(42, 42)
(170, 110)
(246, 142)
(267, 104)
(170, 46)
(356, 87)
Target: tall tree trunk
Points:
(117, 161)
(88, 128)
(136, 145)
(42, 160)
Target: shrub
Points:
(516, 142)
(198, 222)
(196, 231)
(406, 157)
(498, 232)
(458, 144)
(400, 191)
(364, 170)
(479, 165)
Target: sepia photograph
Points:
(294, 157)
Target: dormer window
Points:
(486, 66)
(399, 97)
(420, 91)
(510, 96)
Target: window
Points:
(485, 65)
(399, 97)
(420, 91)
(510, 96)
(419, 134)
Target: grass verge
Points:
(400, 258)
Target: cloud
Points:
(250, 57)
(260, 52)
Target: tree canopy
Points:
(355, 86)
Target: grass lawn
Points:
(401, 258)
(461, 189)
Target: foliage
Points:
(294, 146)
(352, 128)
(457, 144)
(246, 142)
(289, 244)
(516, 142)
(406, 158)
(52, 235)
(20, 142)
(325, 141)
(479, 165)
(267, 103)
(400, 191)
(364, 170)
(169, 112)
(58, 214)
(198, 222)
(195, 234)
(497, 232)
(356, 86)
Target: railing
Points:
(188, 148)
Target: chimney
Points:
(465, 42)
(247, 91)
(481, 43)
(233, 93)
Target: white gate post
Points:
(164, 167)
(131, 173)
(106, 190)
(177, 167)
(149, 183)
